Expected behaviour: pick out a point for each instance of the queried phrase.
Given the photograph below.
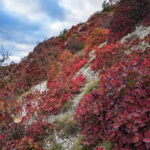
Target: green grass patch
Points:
(74, 36)
(79, 146)
(81, 46)
(56, 146)
(67, 125)
(93, 85)
(67, 106)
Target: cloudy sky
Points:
(24, 23)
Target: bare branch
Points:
(4, 55)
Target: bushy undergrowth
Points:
(62, 85)
(119, 111)
(19, 136)
(127, 14)
(96, 37)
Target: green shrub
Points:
(106, 6)
(93, 85)
(63, 34)
(74, 36)
(81, 46)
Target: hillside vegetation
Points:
(87, 89)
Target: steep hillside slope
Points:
(87, 89)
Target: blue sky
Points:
(24, 23)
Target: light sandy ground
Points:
(140, 32)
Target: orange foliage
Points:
(96, 37)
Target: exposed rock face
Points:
(140, 32)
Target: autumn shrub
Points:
(79, 65)
(12, 131)
(62, 84)
(146, 21)
(107, 56)
(99, 148)
(75, 41)
(61, 91)
(66, 63)
(17, 135)
(10, 135)
(119, 110)
(38, 129)
(65, 56)
(96, 37)
(25, 144)
(74, 44)
(127, 15)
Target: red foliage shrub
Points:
(96, 37)
(67, 64)
(79, 65)
(11, 134)
(61, 90)
(16, 136)
(106, 56)
(75, 42)
(37, 130)
(120, 110)
(127, 14)
(62, 84)
(147, 20)
(99, 148)
(99, 19)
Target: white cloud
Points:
(76, 11)
(17, 49)
(80, 10)
(14, 59)
(30, 9)
(24, 47)
(18, 46)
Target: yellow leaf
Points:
(17, 119)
